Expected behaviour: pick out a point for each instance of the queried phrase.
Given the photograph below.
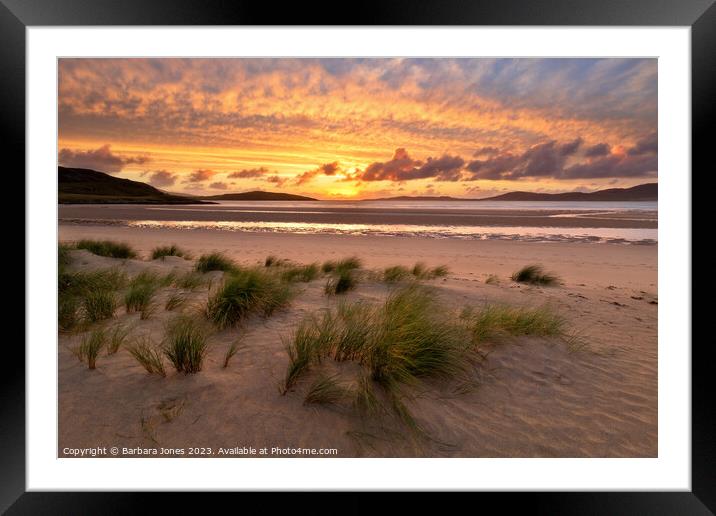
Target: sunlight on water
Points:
(532, 234)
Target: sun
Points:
(343, 191)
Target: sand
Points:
(536, 397)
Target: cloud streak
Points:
(161, 178)
(101, 159)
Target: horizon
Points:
(355, 129)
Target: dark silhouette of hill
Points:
(645, 192)
(85, 186)
(258, 195)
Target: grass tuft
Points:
(90, 347)
(169, 250)
(346, 264)
(493, 279)
(147, 355)
(99, 305)
(302, 351)
(396, 274)
(140, 295)
(85, 297)
(414, 339)
(273, 261)
(175, 300)
(117, 337)
(439, 272)
(215, 262)
(302, 273)
(498, 321)
(68, 312)
(247, 292)
(365, 399)
(535, 275)
(341, 283)
(185, 344)
(420, 271)
(63, 255)
(107, 248)
(406, 338)
(231, 351)
(325, 390)
(190, 281)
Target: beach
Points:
(537, 397)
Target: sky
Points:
(362, 128)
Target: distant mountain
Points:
(84, 186)
(645, 192)
(258, 195)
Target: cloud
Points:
(218, 185)
(541, 160)
(161, 178)
(647, 145)
(199, 175)
(550, 160)
(277, 180)
(614, 165)
(102, 159)
(328, 169)
(403, 168)
(600, 149)
(485, 151)
(248, 173)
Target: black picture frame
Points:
(17, 15)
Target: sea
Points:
(535, 221)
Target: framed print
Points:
(444, 248)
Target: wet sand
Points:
(327, 214)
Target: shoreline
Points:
(554, 218)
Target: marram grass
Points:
(117, 336)
(145, 352)
(346, 264)
(300, 273)
(86, 297)
(406, 338)
(107, 248)
(99, 305)
(185, 344)
(215, 262)
(169, 250)
(535, 275)
(399, 343)
(91, 346)
(244, 293)
(494, 322)
(343, 281)
(419, 271)
(325, 390)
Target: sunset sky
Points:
(362, 128)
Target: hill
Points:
(645, 192)
(85, 186)
(258, 195)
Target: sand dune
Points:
(536, 398)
